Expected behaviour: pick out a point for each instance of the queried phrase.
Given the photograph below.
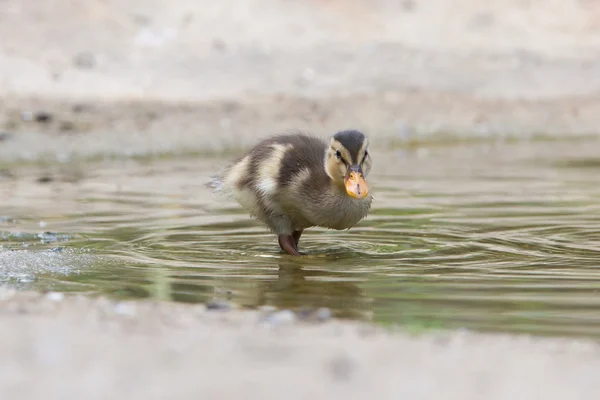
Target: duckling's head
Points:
(347, 162)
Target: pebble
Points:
(319, 315)
(4, 136)
(219, 45)
(84, 60)
(408, 5)
(79, 108)
(304, 313)
(218, 305)
(280, 317)
(43, 116)
(66, 126)
(323, 314)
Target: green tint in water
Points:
(502, 238)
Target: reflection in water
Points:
(502, 238)
(297, 288)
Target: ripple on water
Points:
(502, 238)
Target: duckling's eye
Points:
(338, 154)
(365, 156)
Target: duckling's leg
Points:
(282, 225)
(296, 236)
(288, 244)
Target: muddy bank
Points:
(80, 347)
(61, 130)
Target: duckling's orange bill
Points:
(355, 185)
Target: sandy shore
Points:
(69, 348)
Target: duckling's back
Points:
(266, 179)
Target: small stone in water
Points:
(4, 136)
(218, 305)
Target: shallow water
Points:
(502, 237)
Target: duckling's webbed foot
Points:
(288, 244)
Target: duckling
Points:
(292, 182)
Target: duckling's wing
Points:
(261, 179)
(305, 156)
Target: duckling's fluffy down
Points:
(282, 182)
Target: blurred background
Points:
(218, 74)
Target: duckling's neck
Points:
(338, 187)
(344, 211)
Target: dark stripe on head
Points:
(352, 140)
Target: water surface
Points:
(498, 237)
